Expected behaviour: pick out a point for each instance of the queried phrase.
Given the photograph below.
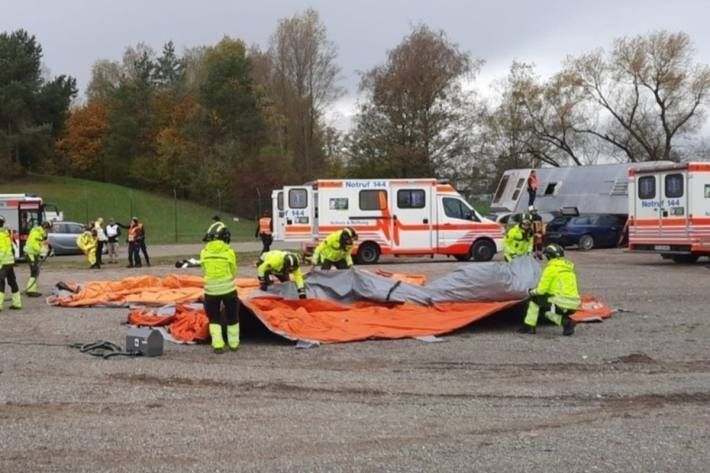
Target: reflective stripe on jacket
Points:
(219, 264)
(7, 255)
(517, 243)
(559, 281)
(265, 225)
(273, 263)
(329, 249)
(33, 246)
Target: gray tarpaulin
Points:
(492, 281)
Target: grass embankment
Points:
(166, 220)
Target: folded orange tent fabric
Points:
(310, 319)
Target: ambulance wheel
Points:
(483, 250)
(368, 253)
(465, 257)
(685, 259)
(586, 242)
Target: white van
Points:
(392, 217)
(669, 210)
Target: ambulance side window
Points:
(280, 200)
(454, 208)
(411, 199)
(373, 200)
(707, 191)
(674, 185)
(647, 187)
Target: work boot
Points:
(567, 326)
(218, 344)
(233, 336)
(16, 301)
(529, 329)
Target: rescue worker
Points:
(36, 251)
(538, 231)
(518, 241)
(265, 230)
(556, 294)
(101, 240)
(532, 188)
(134, 259)
(214, 228)
(219, 264)
(7, 267)
(280, 264)
(140, 243)
(88, 242)
(336, 250)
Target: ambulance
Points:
(22, 212)
(393, 217)
(669, 210)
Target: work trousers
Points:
(531, 196)
(33, 262)
(545, 304)
(112, 251)
(7, 272)
(213, 308)
(340, 264)
(134, 258)
(144, 250)
(266, 241)
(99, 252)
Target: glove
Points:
(301, 292)
(531, 292)
(263, 283)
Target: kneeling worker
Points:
(518, 241)
(336, 250)
(280, 264)
(556, 294)
(219, 264)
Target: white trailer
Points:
(601, 188)
(395, 217)
(669, 210)
(21, 212)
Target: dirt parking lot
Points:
(631, 394)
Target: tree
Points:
(32, 108)
(302, 82)
(651, 90)
(415, 121)
(84, 140)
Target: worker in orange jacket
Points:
(265, 230)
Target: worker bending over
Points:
(88, 243)
(518, 241)
(336, 250)
(219, 264)
(7, 267)
(556, 294)
(280, 264)
(36, 251)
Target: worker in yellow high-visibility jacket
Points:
(7, 267)
(336, 250)
(88, 243)
(556, 294)
(36, 250)
(280, 264)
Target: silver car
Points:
(62, 238)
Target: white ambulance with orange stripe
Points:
(398, 217)
(669, 210)
(21, 213)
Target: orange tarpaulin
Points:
(310, 319)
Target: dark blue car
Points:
(587, 231)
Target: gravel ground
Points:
(631, 394)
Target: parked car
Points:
(62, 238)
(587, 231)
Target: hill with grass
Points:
(166, 220)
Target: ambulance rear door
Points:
(299, 209)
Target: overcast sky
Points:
(75, 33)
